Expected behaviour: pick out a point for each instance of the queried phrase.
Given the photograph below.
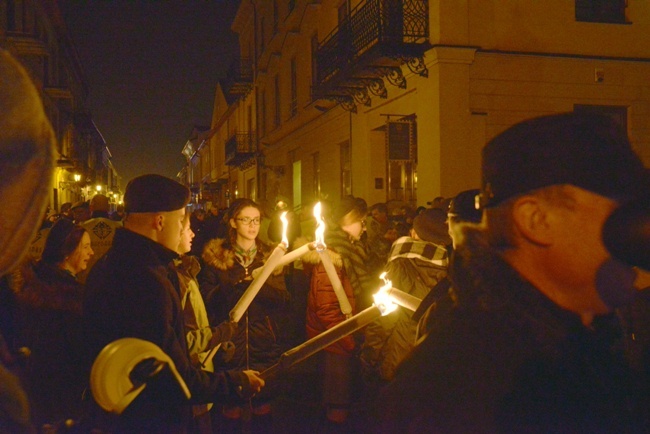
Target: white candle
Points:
(247, 297)
(403, 299)
(325, 339)
(344, 303)
(288, 258)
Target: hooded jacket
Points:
(414, 267)
(48, 323)
(256, 340)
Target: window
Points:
(275, 16)
(316, 178)
(263, 115)
(314, 59)
(600, 11)
(262, 41)
(277, 101)
(293, 106)
(346, 170)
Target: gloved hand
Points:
(223, 332)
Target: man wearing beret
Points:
(133, 292)
(534, 344)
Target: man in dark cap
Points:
(133, 292)
(534, 345)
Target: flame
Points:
(285, 224)
(319, 236)
(382, 300)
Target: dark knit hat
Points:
(59, 243)
(589, 151)
(155, 193)
(431, 225)
(347, 205)
(465, 207)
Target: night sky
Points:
(152, 69)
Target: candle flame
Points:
(285, 224)
(319, 236)
(382, 300)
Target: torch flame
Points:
(319, 235)
(382, 300)
(285, 224)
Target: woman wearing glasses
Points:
(228, 267)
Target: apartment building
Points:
(393, 100)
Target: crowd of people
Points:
(526, 322)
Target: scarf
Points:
(407, 247)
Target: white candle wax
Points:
(247, 297)
(404, 299)
(344, 303)
(325, 339)
(287, 258)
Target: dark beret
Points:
(155, 193)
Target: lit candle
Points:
(396, 296)
(383, 306)
(271, 263)
(289, 257)
(321, 248)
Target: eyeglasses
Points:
(248, 221)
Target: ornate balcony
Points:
(241, 149)
(239, 78)
(370, 45)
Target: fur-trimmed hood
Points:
(43, 286)
(219, 254)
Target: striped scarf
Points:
(407, 247)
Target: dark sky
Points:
(152, 69)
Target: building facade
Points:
(34, 32)
(393, 100)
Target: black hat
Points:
(431, 225)
(57, 244)
(347, 205)
(589, 151)
(465, 207)
(155, 193)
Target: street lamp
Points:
(98, 188)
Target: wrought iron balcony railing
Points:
(371, 42)
(240, 148)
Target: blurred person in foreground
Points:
(534, 344)
(133, 291)
(27, 144)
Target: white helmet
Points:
(110, 380)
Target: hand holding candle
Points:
(321, 248)
(271, 263)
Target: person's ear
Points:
(159, 222)
(233, 224)
(530, 217)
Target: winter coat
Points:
(133, 291)
(350, 260)
(508, 359)
(413, 267)
(48, 323)
(256, 340)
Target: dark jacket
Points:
(256, 340)
(133, 292)
(510, 360)
(48, 322)
(413, 267)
